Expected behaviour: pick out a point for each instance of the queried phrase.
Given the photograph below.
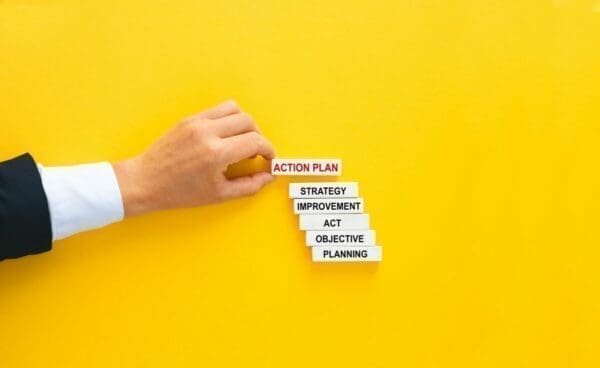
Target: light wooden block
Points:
(335, 222)
(328, 205)
(346, 254)
(340, 238)
(310, 167)
(324, 190)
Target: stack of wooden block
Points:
(331, 213)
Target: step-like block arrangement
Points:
(332, 214)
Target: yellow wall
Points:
(472, 128)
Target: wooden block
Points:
(328, 205)
(335, 222)
(302, 166)
(340, 238)
(346, 254)
(324, 190)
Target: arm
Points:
(184, 168)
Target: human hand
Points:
(186, 167)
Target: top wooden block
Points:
(309, 167)
(327, 189)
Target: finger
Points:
(246, 145)
(234, 124)
(221, 110)
(246, 185)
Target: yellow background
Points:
(472, 128)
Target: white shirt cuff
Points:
(81, 197)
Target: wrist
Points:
(136, 198)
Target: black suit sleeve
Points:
(24, 216)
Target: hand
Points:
(186, 167)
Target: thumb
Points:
(246, 185)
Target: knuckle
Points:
(246, 117)
(196, 131)
(189, 119)
(212, 148)
(259, 141)
(247, 120)
(255, 138)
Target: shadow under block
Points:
(324, 190)
(328, 205)
(304, 166)
(358, 221)
(346, 254)
(340, 238)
